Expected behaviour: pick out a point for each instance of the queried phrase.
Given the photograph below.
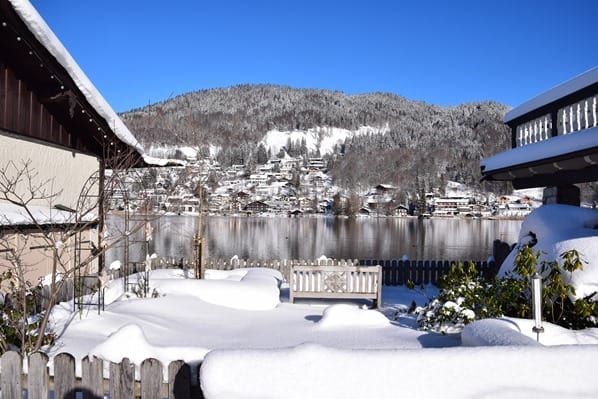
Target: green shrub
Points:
(19, 319)
(465, 296)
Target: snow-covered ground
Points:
(244, 308)
(254, 343)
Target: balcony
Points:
(554, 138)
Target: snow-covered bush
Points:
(466, 296)
(462, 299)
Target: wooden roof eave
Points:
(44, 78)
(571, 168)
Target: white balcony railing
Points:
(536, 130)
(578, 116)
(571, 118)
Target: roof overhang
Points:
(568, 159)
(44, 75)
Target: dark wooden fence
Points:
(120, 383)
(283, 266)
(394, 271)
(399, 272)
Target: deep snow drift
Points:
(559, 228)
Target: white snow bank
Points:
(311, 371)
(559, 228)
(344, 315)
(130, 341)
(246, 289)
(495, 332)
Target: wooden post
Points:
(122, 380)
(92, 378)
(151, 379)
(10, 378)
(64, 376)
(179, 380)
(37, 380)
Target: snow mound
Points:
(130, 342)
(115, 265)
(559, 228)
(494, 332)
(485, 372)
(245, 289)
(343, 315)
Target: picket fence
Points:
(119, 383)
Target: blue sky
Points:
(440, 52)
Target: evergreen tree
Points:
(262, 154)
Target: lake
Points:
(312, 237)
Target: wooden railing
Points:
(119, 383)
(565, 119)
(578, 116)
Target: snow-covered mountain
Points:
(364, 139)
(322, 139)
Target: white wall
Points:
(66, 171)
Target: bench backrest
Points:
(341, 279)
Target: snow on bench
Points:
(336, 282)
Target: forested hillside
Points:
(422, 145)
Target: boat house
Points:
(554, 139)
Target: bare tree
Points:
(37, 223)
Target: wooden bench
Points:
(336, 282)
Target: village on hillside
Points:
(295, 186)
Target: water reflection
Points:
(309, 238)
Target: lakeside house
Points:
(554, 139)
(55, 127)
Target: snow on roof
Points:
(48, 39)
(542, 150)
(11, 215)
(564, 89)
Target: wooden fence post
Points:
(151, 379)
(179, 380)
(37, 379)
(10, 378)
(64, 376)
(92, 378)
(122, 380)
